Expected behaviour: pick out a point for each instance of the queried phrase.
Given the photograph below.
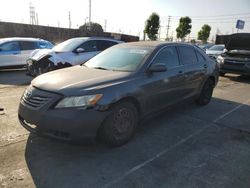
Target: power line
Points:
(213, 19)
(221, 15)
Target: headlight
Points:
(79, 101)
(29, 62)
(220, 59)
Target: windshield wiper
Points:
(101, 68)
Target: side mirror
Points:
(80, 50)
(157, 68)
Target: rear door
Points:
(165, 88)
(27, 47)
(10, 54)
(194, 70)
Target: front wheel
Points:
(206, 93)
(120, 125)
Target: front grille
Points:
(36, 98)
(35, 101)
(234, 63)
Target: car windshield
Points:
(119, 59)
(217, 47)
(68, 45)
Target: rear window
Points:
(187, 55)
(28, 45)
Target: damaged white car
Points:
(71, 52)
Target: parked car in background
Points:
(205, 46)
(15, 51)
(215, 51)
(71, 52)
(105, 97)
(236, 58)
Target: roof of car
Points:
(151, 44)
(97, 38)
(19, 39)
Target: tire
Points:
(119, 127)
(206, 93)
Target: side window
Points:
(42, 44)
(200, 56)
(104, 44)
(89, 46)
(10, 46)
(28, 45)
(187, 55)
(168, 56)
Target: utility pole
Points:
(69, 20)
(89, 14)
(32, 15)
(159, 34)
(105, 25)
(37, 18)
(168, 26)
(89, 11)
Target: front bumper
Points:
(35, 68)
(70, 124)
(235, 67)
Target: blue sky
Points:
(129, 16)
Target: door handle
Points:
(205, 66)
(15, 53)
(180, 72)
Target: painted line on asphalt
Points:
(139, 166)
(154, 157)
(231, 111)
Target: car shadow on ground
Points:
(55, 164)
(14, 77)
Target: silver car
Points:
(15, 51)
(71, 52)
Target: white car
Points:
(15, 51)
(215, 51)
(71, 52)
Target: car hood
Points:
(78, 80)
(39, 54)
(239, 41)
(213, 52)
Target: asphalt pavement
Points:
(185, 146)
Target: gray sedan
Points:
(105, 97)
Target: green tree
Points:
(204, 33)
(184, 27)
(152, 26)
(92, 28)
(193, 41)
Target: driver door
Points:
(89, 50)
(165, 88)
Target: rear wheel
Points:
(120, 125)
(206, 93)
